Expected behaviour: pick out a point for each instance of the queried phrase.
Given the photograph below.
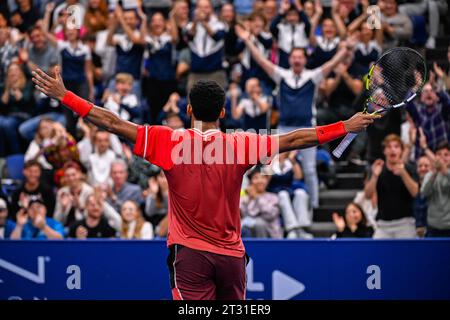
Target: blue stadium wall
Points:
(316, 269)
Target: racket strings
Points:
(396, 77)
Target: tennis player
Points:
(204, 168)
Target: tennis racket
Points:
(394, 80)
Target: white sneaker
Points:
(431, 43)
(302, 234)
(292, 234)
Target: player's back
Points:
(204, 172)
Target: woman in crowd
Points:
(353, 224)
(16, 106)
(134, 225)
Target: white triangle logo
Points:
(285, 287)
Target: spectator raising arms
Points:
(206, 36)
(129, 44)
(160, 65)
(76, 60)
(133, 224)
(291, 28)
(296, 103)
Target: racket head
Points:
(395, 79)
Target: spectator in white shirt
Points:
(99, 162)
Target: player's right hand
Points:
(360, 121)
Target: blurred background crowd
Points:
(61, 177)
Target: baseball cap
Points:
(35, 199)
(3, 205)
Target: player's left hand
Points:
(51, 87)
(360, 121)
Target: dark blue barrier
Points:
(316, 269)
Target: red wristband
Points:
(76, 104)
(330, 132)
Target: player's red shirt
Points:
(204, 194)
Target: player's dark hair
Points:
(207, 99)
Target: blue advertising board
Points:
(286, 269)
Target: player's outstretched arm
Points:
(309, 137)
(54, 88)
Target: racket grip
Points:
(344, 144)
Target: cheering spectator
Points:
(420, 206)
(7, 226)
(25, 16)
(435, 189)
(160, 65)
(325, 46)
(395, 185)
(99, 162)
(260, 210)
(262, 40)
(76, 61)
(32, 223)
(228, 17)
(341, 92)
(432, 114)
(60, 149)
(40, 54)
(253, 109)
(32, 187)
(368, 48)
(122, 190)
(16, 106)
(71, 199)
(86, 146)
(8, 52)
(173, 114)
(397, 27)
(353, 224)
(129, 45)
(94, 225)
(96, 17)
(133, 224)
(291, 28)
(156, 203)
(206, 42)
(286, 182)
(44, 134)
(297, 88)
(442, 76)
(178, 20)
(122, 101)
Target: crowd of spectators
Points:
(284, 64)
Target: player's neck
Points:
(204, 126)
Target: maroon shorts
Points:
(202, 275)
